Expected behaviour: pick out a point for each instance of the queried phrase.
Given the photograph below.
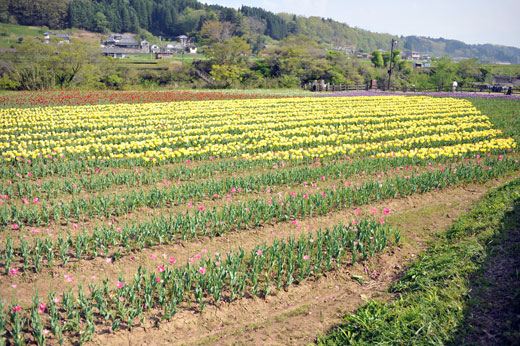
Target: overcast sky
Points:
(471, 21)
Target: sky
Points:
(470, 21)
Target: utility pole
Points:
(394, 43)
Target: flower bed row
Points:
(239, 216)
(32, 194)
(119, 304)
(197, 130)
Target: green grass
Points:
(9, 34)
(433, 295)
(506, 70)
(15, 29)
(503, 113)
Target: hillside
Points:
(170, 18)
(454, 48)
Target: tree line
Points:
(291, 63)
(170, 18)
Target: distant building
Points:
(506, 81)
(145, 46)
(121, 41)
(114, 52)
(172, 47)
(118, 45)
(184, 40)
(154, 48)
(346, 50)
(415, 56)
(419, 65)
(64, 37)
(163, 55)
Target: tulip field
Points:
(126, 215)
(48, 98)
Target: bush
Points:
(289, 81)
(8, 84)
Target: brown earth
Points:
(296, 316)
(142, 214)
(89, 271)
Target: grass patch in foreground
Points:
(436, 303)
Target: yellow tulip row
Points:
(422, 153)
(218, 112)
(323, 134)
(254, 129)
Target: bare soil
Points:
(408, 214)
(296, 316)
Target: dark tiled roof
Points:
(123, 40)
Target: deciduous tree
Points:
(377, 59)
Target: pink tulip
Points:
(160, 269)
(42, 308)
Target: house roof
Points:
(120, 50)
(174, 45)
(122, 39)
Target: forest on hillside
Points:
(170, 18)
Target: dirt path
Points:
(296, 316)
